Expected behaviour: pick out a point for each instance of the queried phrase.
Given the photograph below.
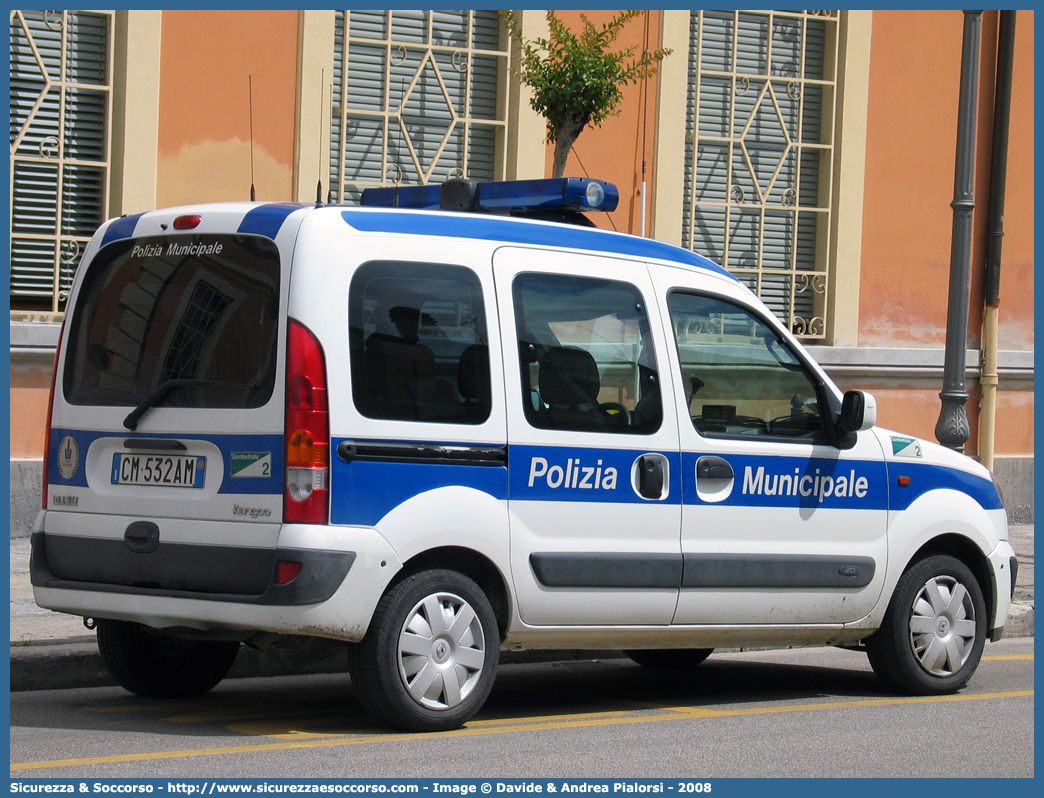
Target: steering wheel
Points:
(615, 410)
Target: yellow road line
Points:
(1010, 656)
(477, 728)
(872, 702)
(611, 713)
(278, 728)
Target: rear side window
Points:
(194, 317)
(419, 350)
(586, 355)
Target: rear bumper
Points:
(218, 573)
(344, 573)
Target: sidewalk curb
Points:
(75, 662)
(1020, 620)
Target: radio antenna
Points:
(322, 99)
(250, 101)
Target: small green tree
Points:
(576, 78)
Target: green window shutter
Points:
(60, 99)
(758, 157)
(415, 98)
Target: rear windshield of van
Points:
(192, 317)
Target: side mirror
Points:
(858, 412)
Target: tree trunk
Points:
(565, 134)
(563, 144)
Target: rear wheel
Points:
(430, 656)
(161, 666)
(932, 636)
(669, 658)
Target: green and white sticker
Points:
(251, 464)
(905, 447)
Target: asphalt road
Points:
(791, 713)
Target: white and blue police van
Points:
(442, 434)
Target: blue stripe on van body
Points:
(121, 228)
(807, 483)
(925, 477)
(492, 228)
(267, 220)
(574, 474)
(226, 444)
(795, 482)
(364, 491)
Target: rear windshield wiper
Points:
(131, 421)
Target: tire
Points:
(430, 656)
(161, 666)
(933, 633)
(669, 658)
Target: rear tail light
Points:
(50, 410)
(307, 435)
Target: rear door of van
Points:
(165, 468)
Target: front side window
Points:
(193, 316)
(419, 349)
(740, 377)
(586, 355)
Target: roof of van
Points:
(520, 231)
(267, 219)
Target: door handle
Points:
(650, 476)
(714, 468)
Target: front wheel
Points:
(161, 666)
(933, 633)
(669, 658)
(430, 656)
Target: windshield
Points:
(196, 313)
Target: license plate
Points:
(151, 469)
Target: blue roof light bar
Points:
(420, 197)
(567, 194)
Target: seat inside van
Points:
(569, 385)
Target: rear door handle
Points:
(142, 537)
(651, 476)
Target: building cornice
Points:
(908, 363)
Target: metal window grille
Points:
(415, 99)
(759, 153)
(61, 79)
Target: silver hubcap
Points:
(441, 651)
(942, 626)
